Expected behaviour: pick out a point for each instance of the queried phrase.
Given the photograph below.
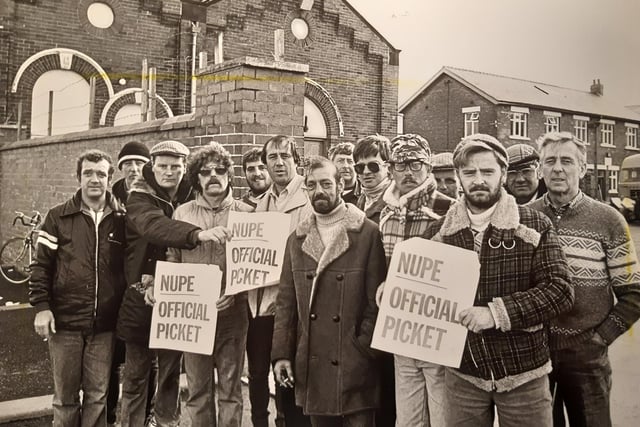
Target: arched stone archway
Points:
(127, 97)
(61, 59)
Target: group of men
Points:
(559, 282)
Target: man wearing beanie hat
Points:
(443, 171)
(524, 282)
(150, 231)
(411, 204)
(131, 159)
(522, 176)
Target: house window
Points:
(613, 181)
(632, 137)
(606, 131)
(519, 124)
(580, 129)
(471, 123)
(551, 124)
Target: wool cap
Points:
(481, 140)
(442, 161)
(133, 150)
(408, 147)
(521, 156)
(170, 148)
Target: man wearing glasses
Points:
(371, 154)
(522, 176)
(412, 203)
(210, 169)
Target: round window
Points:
(300, 28)
(100, 15)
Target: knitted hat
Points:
(521, 155)
(484, 141)
(442, 161)
(408, 147)
(133, 151)
(170, 148)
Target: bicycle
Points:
(16, 253)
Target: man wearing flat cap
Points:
(411, 204)
(443, 171)
(150, 231)
(522, 176)
(524, 282)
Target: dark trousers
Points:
(581, 379)
(386, 413)
(357, 419)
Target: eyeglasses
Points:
(527, 173)
(207, 172)
(374, 167)
(414, 166)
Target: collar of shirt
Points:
(559, 211)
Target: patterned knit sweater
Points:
(603, 264)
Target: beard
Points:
(481, 201)
(324, 204)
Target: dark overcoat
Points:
(326, 312)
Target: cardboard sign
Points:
(427, 286)
(185, 313)
(256, 251)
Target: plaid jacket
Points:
(523, 271)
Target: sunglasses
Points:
(374, 167)
(207, 172)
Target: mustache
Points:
(408, 180)
(320, 197)
(479, 188)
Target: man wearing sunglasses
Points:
(370, 155)
(210, 169)
(522, 176)
(412, 203)
(524, 282)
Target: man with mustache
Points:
(411, 204)
(210, 169)
(342, 156)
(524, 282)
(522, 176)
(256, 175)
(287, 194)
(326, 309)
(76, 288)
(605, 276)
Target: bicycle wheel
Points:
(14, 261)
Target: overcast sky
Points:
(563, 42)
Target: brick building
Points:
(56, 45)
(458, 102)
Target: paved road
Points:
(24, 367)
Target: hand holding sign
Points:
(477, 319)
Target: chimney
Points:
(597, 88)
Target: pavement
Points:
(26, 385)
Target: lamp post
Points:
(607, 164)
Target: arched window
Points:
(315, 130)
(128, 115)
(70, 112)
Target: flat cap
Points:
(484, 141)
(169, 148)
(442, 161)
(521, 155)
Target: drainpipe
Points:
(195, 29)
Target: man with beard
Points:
(287, 194)
(524, 282)
(371, 154)
(210, 170)
(255, 173)
(606, 278)
(445, 174)
(76, 288)
(326, 309)
(522, 176)
(412, 203)
(342, 156)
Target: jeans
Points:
(581, 378)
(138, 384)
(259, 334)
(357, 419)
(419, 393)
(228, 361)
(469, 406)
(80, 362)
(167, 407)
